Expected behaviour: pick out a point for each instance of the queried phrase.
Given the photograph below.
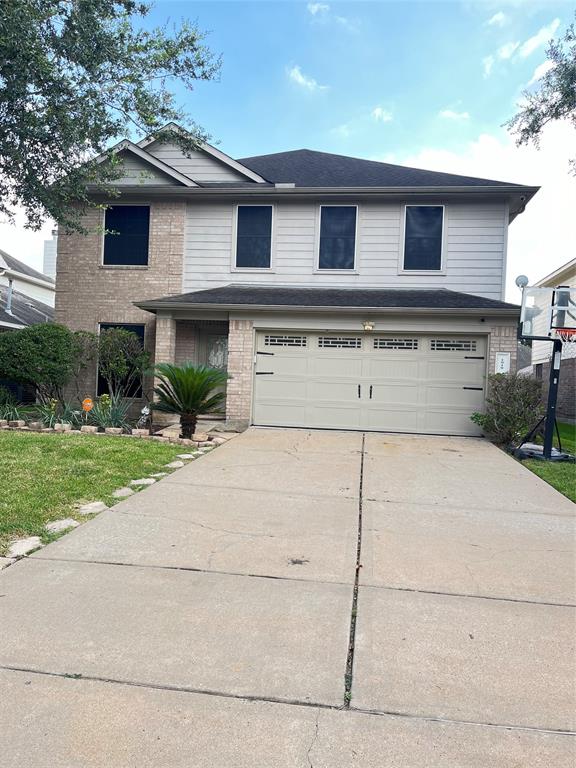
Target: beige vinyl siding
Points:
(474, 249)
(199, 167)
(138, 171)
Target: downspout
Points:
(9, 296)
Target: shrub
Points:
(45, 356)
(110, 411)
(513, 406)
(122, 361)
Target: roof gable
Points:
(140, 163)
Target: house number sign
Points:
(502, 362)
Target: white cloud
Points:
(506, 51)
(342, 130)
(535, 248)
(488, 65)
(318, 8)
(539, 39)
(304, 81)
(498, 20)
(450, 114)
(381, 115)
(540, 71)
(24, 244)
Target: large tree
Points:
(555, 96)
(75, 75)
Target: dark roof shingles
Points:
(388, 298)
(308, 168)
(25, 310)
(19, 266)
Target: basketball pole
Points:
(552, 397)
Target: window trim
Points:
(120, 324)
(102, 265)
(317, 270)
(442, 270)
(272, 267)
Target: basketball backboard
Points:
(547, 311)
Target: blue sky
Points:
(426, 84)
(369, 79)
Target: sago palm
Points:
(188, 390)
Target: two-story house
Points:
(338, 292)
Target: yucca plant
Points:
(188, 390)
(110, 411)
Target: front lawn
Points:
(560, 475)
(43, 476)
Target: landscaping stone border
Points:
(20, 548)
(200, 439)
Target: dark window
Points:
(254, 236)
(126, 238)
(337, 237)
(423, 240)
(136, 388)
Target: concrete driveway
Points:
(295, 598)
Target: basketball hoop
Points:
(566, 335)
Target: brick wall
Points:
(240, 368)
(88, 293)
(566, 406)
(503, 338)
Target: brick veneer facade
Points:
(88, 293)
(240, 368)
(503, 338)
(566, 405)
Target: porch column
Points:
(165, 350)
(240, 370)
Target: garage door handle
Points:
(473, 357)
(370, 391)
(271, 354)
(264, 373)
(359, 390)
(476, 389)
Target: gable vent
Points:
(453, 345)
(285, 341)
(340, 342)
(395, 343)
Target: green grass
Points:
(45, 476)
(560, 475)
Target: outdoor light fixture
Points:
(368, 325)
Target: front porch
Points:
(217, 343)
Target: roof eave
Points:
(155, 306)
(528, 192)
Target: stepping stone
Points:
(159, 474)
(121, 493)
(92, 508)
(143, 481)
(5, 562)
(61, 525)
(22, 547)
(186, 455)
(175, 464)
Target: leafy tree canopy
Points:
(74, 76)
(121, 361)
(555, 98)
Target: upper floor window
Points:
(337, 237)
(423, 237)
(126, 237)
(254, 237)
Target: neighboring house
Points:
(337, 292)
(25, 280)
(542, 350)
(50, 252)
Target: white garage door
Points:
(389, 382)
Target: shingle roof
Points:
(19, 266)
(374, 298)
(25, 310)
(308, 168)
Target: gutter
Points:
(11, 273)
(483, 311)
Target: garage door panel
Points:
(408, 382)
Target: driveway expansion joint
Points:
(348, 677)
(79, 677)
(467, 595)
